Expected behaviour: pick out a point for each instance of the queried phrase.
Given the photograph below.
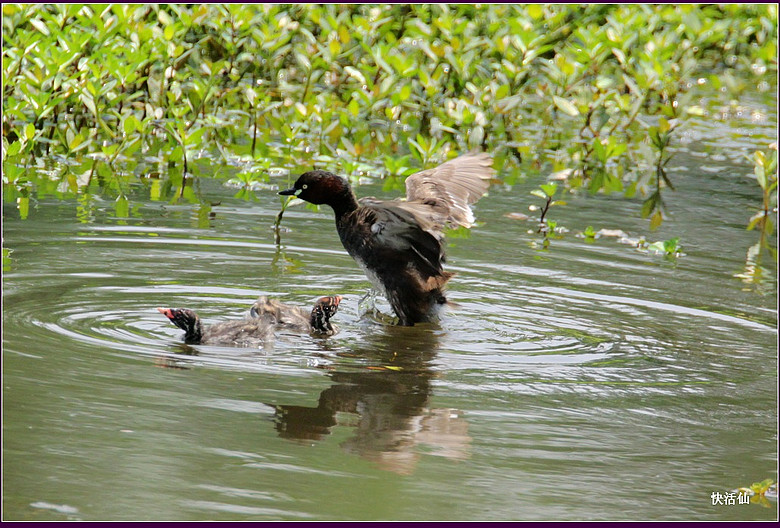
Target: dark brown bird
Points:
(250, 331)
(399, 244)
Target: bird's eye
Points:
(304, 186)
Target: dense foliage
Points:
(98, 96)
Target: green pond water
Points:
(590, 381)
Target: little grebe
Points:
(287, 317)
(253, 330)
(399, 244)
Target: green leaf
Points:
(164, 18)
(649, 205)
(695, 110)
(755, 220)
(89, 102)
(40, 25)
(130, 148)
(348, 145)
(565, 106)
(73, 183)
(128, 125)
(78, 142)
(176, 154)
(599, 150)
(193, 139)
(14, 148)
(23, 204)
(617, 149)
(539, 193)
(535, 11)
(334, 46)
(251, 96)
(356, 74)
(656, 220)
(759, 160)
(353, 107)
(658, 247)
(670, 246)
(549, 189)
(655, 138)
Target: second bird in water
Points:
(266, 316)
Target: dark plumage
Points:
(399, 244)
(285, 317)
(254, 330)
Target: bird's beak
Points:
(290, 192)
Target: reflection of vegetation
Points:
(282, 263)
(765, 170)
(759, 491)
(7, 260)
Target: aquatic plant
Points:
(96, 97)
(765, 171)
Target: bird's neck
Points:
(320, 323)
(194, 332)
(344, 204)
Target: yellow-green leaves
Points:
(565, 106)
(765, 168)
(599, 90)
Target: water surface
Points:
(587, 381)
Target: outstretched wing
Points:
(452, 186)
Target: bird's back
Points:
(243, 332)
(401, 254)
(281, 315)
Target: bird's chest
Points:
(359, 238)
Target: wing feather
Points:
(452, 187)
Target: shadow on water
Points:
(386, 402)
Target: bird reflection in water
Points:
(387, 405)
